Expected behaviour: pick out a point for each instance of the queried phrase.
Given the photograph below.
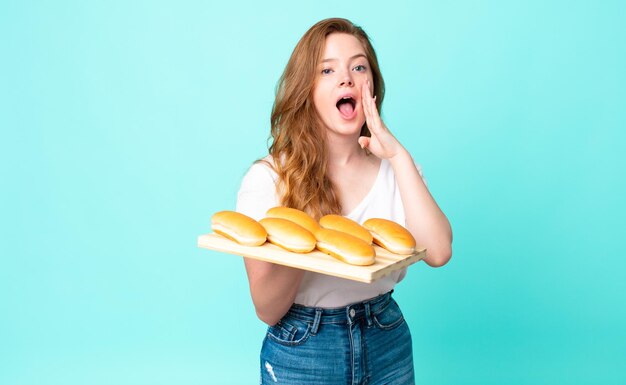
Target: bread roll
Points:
(391, 235)
(345, 247)
(297, 216)
(346, 225)
(238, 227)
(288, 235)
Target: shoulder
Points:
(261, 171)
(257, 192)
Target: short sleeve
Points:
(257, 192)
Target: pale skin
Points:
(344, 70)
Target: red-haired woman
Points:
(332, 154)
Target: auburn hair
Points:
(298, 145)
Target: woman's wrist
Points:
(401, 157)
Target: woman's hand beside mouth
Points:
(382, 143)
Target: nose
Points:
(346, 80)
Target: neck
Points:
(343, 150)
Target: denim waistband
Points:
(346, 314)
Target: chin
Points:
(346, 131)
(348, 128)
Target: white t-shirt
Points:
(257, 194)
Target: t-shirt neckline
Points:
(369, 194)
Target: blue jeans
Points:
(364, 343)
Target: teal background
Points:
(125, 125)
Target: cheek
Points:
(317, 98)
(362, 82)
(370, 77)
(321, 107)
(321, 98)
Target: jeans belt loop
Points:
(368, 314)
(316, 321)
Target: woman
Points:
(332, 153)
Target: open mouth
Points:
(346, 106)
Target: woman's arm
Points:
(424, 218)
(273, 288)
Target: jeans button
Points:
(352, 313)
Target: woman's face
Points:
(341, 74)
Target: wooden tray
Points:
(386, 262)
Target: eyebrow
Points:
(351, 58)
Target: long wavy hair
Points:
(298, 147)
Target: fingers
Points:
(365, 95)
(372, 117)
(382, 143)
(366, 101)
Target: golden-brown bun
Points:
(297, 216)
(238, 227)
(345, 247)
(391, 235)
(346, 225)
(288, 235)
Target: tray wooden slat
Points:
(316, 261)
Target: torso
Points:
(379, 197)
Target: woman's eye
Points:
(326, 71)
(359, 68)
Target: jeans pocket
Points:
(390, 317)
(289, 332)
